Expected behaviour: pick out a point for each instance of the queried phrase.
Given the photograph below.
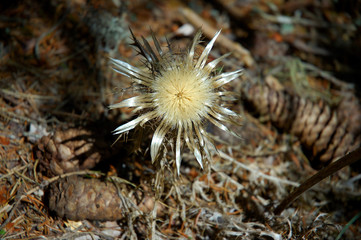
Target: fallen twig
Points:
(346, 160)
(209, 32)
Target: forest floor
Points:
(56, 84)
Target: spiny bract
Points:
(179, 93)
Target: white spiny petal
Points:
(225, 111)
(132, 102)
(198, 156)
(157, 139)
(211, 65)
(199, 136)
(187, 133)
(224, 78)
(194, 43)
(203, 58)
(217, 123)
(178, 158)
(132, 124)
(128, 70)
(220, 125)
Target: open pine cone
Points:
(326, 133)
(77, 198)
(68, 151)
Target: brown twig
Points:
(346, 160)
(209, 32)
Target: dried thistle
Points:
(179, 93)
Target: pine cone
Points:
(68, 151)
(325, 133)
(76, 198)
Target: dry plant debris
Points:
(55, 127)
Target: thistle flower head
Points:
(179, 92)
